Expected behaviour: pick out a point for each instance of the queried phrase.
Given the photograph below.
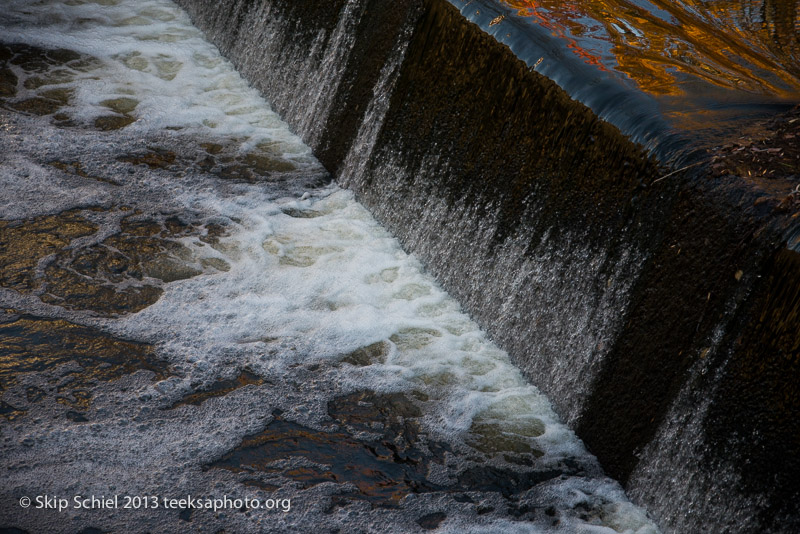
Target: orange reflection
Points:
(750, 45)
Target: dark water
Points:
(704, 68)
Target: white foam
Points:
(149, 51)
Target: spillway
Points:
(357, 311)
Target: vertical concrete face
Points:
(753, 419)
(694, 409)
(482, 166)
(659, 315)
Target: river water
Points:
(192, 308)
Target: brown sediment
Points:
(221, 388)
(383, 470)
(119, 275)
(37, 345)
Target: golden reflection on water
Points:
(750, 45)
(39, 345)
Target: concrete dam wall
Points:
(658, 310)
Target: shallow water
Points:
(191, 308)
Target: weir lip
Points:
(709, 79)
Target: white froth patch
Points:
(334, 283)
(30, 190)
(150, 52)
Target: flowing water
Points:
(192, 308)
(675, 75)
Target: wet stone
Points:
(212, 148)
(379, 448)
(8, 83)
(154, 158)
(90, 277)
(55, 76)
(29, 77)
(76, 417)
(24, 243)
(35, 59)
(72, 167)
(302, 255)
(61, 96)
(10, 412)
(382, 470)
(216, 263)
(335, 457)
(213, 233)
(78, 399)
(113, 122)
(34, 394)
(76, 167)
(507, 482)
(221, 160)
(301, 214)
(431, 521)
(414, 338)
(121, 105)
(63, 120)
(37, 106)
(264, 165)
(504, 436)
(235, 172)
